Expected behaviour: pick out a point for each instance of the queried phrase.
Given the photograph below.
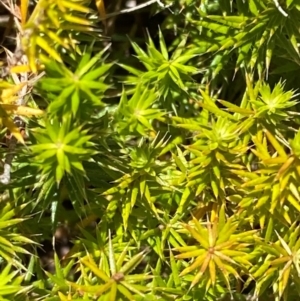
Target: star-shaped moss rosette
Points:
(61, 148)
(113, 279)
(216, 247)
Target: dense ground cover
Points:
(151, 150)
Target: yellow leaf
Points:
(62, 297)
(10, 99)
(294, 191)
(232, 271)
(7, 94)
(113, 292)
(31, 54)
(214, 213)
(202, 271)
(21, 110)
(262, 220)
(77, 20)
(93, 267)
(276, 144)
(24, 9)
(203, 241)
(197, 263)
(280, 260)
(212, 233)
(53, 16)
(284, 277)
(45, 45)
(284, 181)
(212, 271)
(262, 150)
(293, 201)
(276, 160)
(54, 37)
(74, 6)
(223, 270)
(5, 85)
(298, 168)
(185, 249)
(40, 6)
(286, 216)
(190, 254)
(224, 257)
(20, 69)
(101, 10)
(285, 166)
(284, 244)
(13, 129)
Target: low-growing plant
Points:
(165, 168)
